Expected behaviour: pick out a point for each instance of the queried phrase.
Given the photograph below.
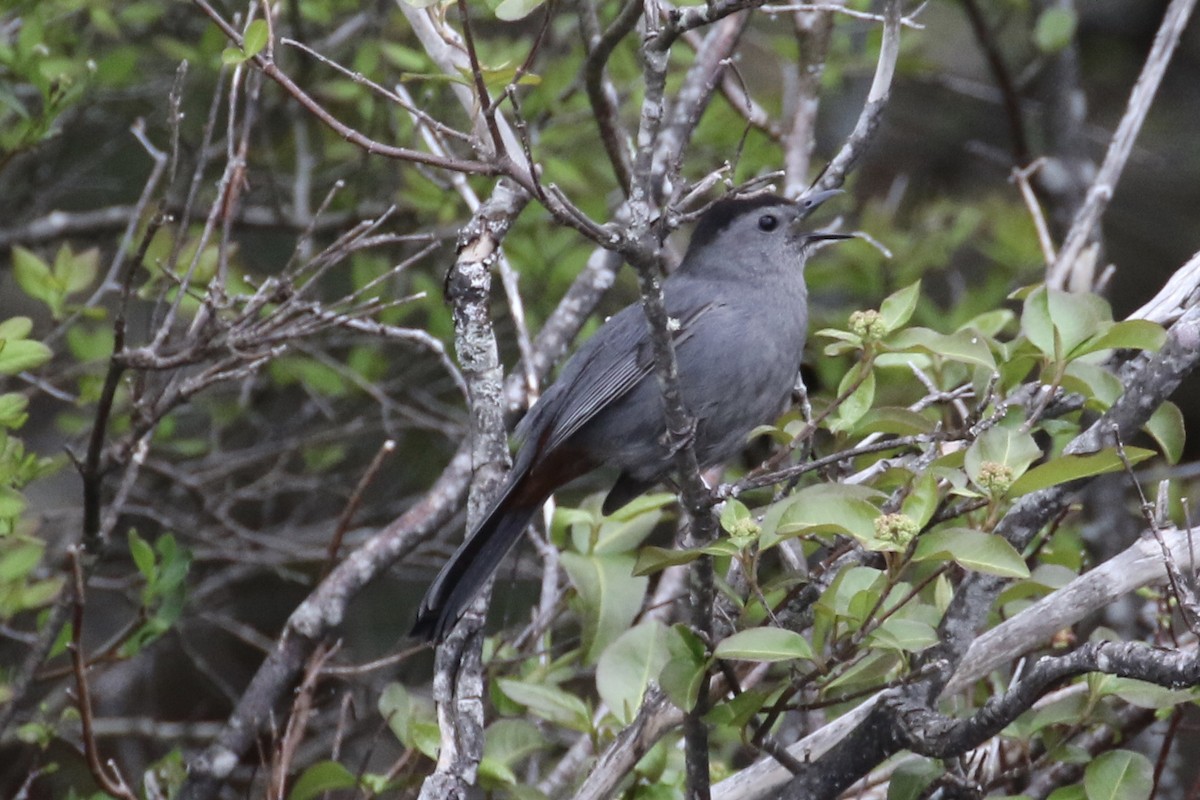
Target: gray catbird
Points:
(740, 304)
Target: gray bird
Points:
(741, 306)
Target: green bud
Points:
(897, 528)
(868, 325)
(994, 478)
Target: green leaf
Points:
(878, 667)
(906, 635)
(550, 703)
(35, 279)
(143, 555)
(624, 530)
(898, 308)
(653, 559)
(232, 56)
(1054, 29)
(511, 10)
(735, 511)
(1166, 426)
(764, 644)
(1059, 322)
(74, 272)
(967, 346)
(18, 356)
(683, 675)
(1144, 694)
(854, 407)
(324, 776)
(12, 503)
(1119, 775)
(1001, 445)
(626, 669)
(411, 719)
(1132, 334)
(16, 328)
(1072, 467)
(824, 508)
(12, 410)
(507, 741)
(611, 596)
(912, 777)
(923, 499)
(972, 549)
(890, 419)
(255, 38)
(19, 559)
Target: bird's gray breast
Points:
(736, 368)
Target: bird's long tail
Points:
(469, 568)
(482, 551)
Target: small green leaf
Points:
(255, 38)
(34, 277)
(653, 559)
(18, 356)
(906, 635)
(898, 308)
(890, 419)
(683, 675)
(878, 667)
(512, 10)
(972, 549)
(735, 511)
(1166, 426)
(854, 407)
(627, 668)
(410, 718)
(1119, 775)
(1054, 29)
(19, 560)
(1132, 334)
(143, 555)
(232, 56)
(324, 776)
(507, 741)
(16, 328)
(12, 410)
(1001, 445)
(550, 703)
(922, 500)
(76, 271)
(1072, 467)
(764, 644)
(967, 346)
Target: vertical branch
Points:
(834, 175)
(813, 30)
(1002, 76)
(600, 91)
(458, 670)
(644, 253)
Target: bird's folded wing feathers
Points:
(594, 390)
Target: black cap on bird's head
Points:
(725, 211)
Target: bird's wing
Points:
(610, 370)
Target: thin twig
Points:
(1101, 191)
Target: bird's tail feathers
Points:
(469, 568)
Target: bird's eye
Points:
(768, 222)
